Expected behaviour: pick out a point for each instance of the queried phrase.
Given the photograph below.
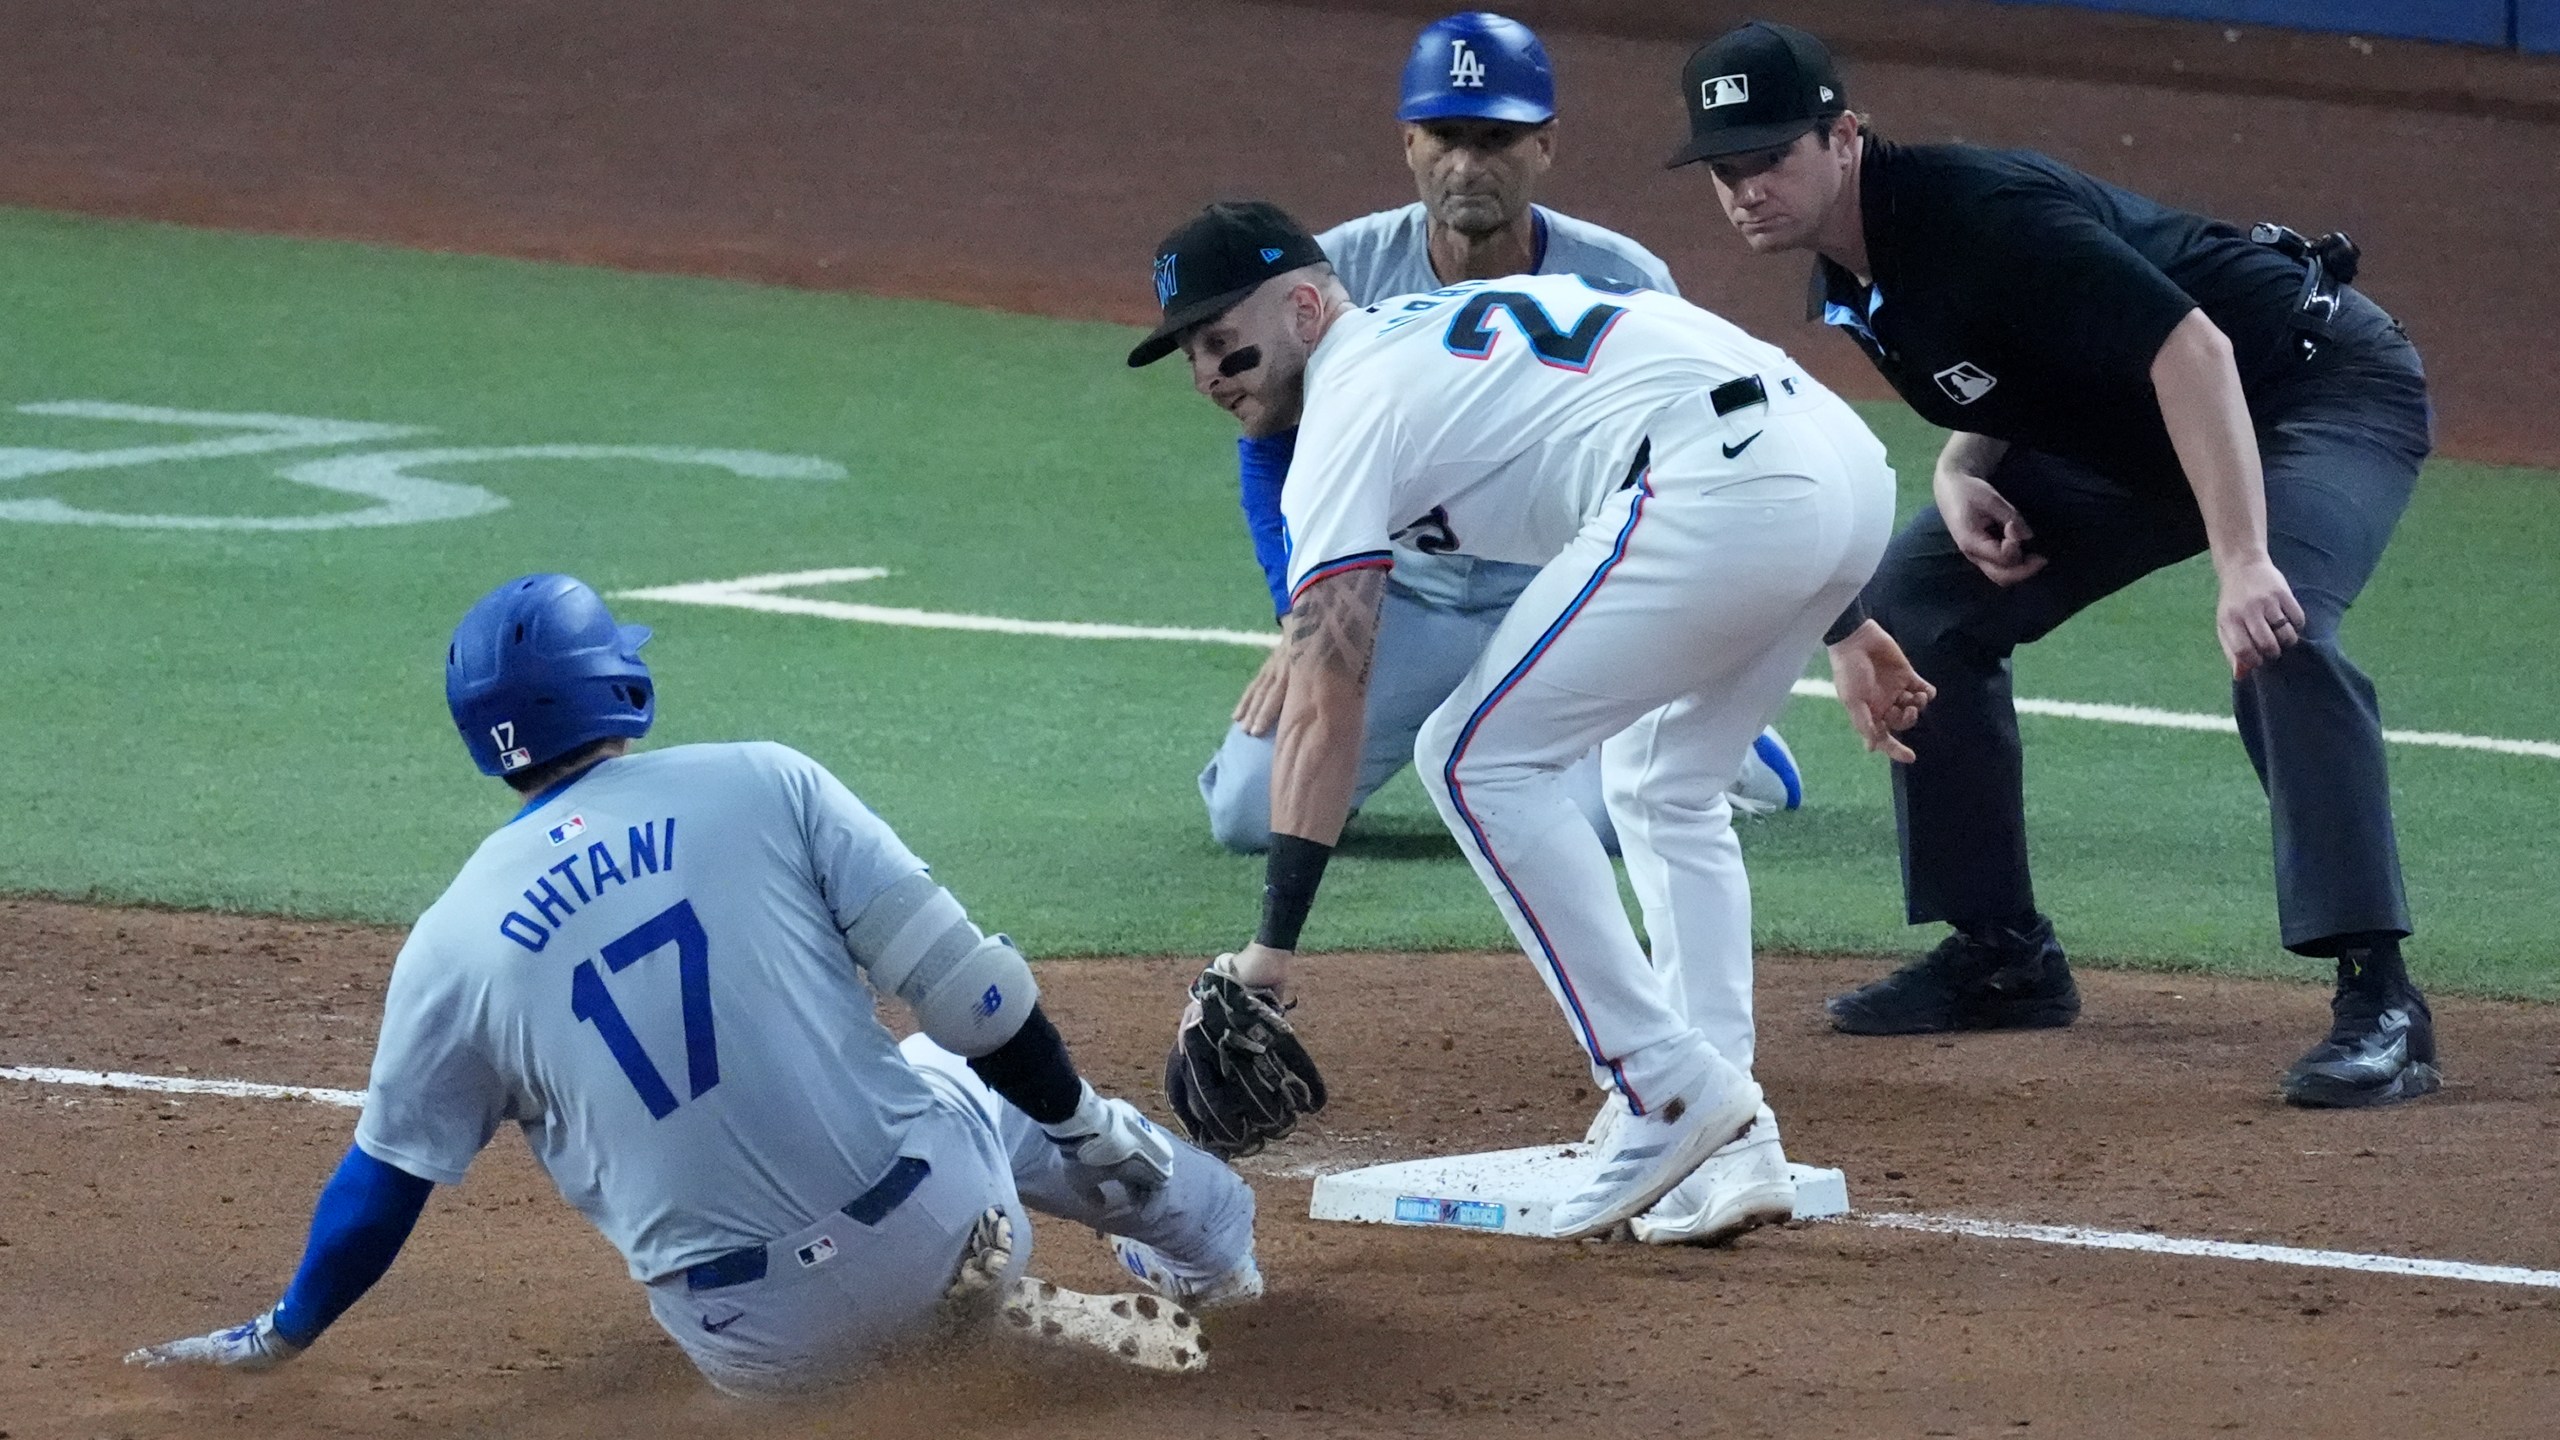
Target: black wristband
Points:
(1290, 874)
(1849, 623)
(1033, 1072)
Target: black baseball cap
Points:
(1755, 88)
(1217, 258)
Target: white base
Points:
(1504, 1192)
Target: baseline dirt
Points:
(126, 1218)
(1026, 154)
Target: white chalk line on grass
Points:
(2073, 1236)
(762, 593)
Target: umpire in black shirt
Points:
(2129, 385)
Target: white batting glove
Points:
(254, 1346)
(1112, 1137)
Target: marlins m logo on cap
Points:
(1724, 90)
(1164, 280)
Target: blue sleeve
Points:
(1264, 464)
(364, 1216)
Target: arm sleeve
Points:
(364, 1215)
(434, 1097)
(2090, 304)
(1263, 464)
(1350, 447)
(1033, 1072)
(970, 991)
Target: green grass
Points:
(254, 721)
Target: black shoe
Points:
(2381, 1050)
(1992, 978)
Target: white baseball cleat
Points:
(1613, 1108)
(1742, 1185)
(1176, 1282)
(1646, 1155)
(1769, 781)
(1140, 1330)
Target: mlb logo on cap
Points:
(1761, 87)
(1724, 90)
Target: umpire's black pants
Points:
(2341, 437)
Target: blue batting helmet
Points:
(1478, 66)
(538, 668)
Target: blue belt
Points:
(868, 1208)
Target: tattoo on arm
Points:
(1335, 624)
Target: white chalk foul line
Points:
(181, 1085)
(762, 593)
(2074, 1236)
(2149, 1244)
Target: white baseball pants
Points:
(1671, 627)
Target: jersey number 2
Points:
(589, 1000)
(1470, 336)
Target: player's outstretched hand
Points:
(2256, 616)
(1112, 1137)
(254, 1346)
(1258, 710)
(1877, 686)
(1238, 1078)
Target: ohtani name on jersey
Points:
(647, 849)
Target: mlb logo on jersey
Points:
(816, 1252)
(1724, 90)
(569, 829)
(1965, 382)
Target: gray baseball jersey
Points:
(1388, 254)
(645, 970)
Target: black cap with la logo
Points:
(1217, 258)
(1756, 88)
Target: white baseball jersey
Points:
(1389, 253)
(646, 971)
(1490, 418)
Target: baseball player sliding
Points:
(1701, 510)
(661, 970)
(1478, 115)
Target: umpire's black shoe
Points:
(2381, 1050)
(1991, 977)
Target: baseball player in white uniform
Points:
(662, 972)
(1702, 510)
(1479, 125)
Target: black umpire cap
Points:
(1754, 89)
(1217, 258)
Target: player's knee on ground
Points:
(1236, 788)
(970, 991)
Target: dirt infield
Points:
(1027, 154)
(126, 1218)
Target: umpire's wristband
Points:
(1290, 874)
(1849, 623)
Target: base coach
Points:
(2129, 385)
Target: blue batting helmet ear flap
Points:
(539, 668)
(1478, 66)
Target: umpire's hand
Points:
(1987, 528)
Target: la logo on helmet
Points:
(1466, 69)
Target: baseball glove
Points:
(1238, 1078)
